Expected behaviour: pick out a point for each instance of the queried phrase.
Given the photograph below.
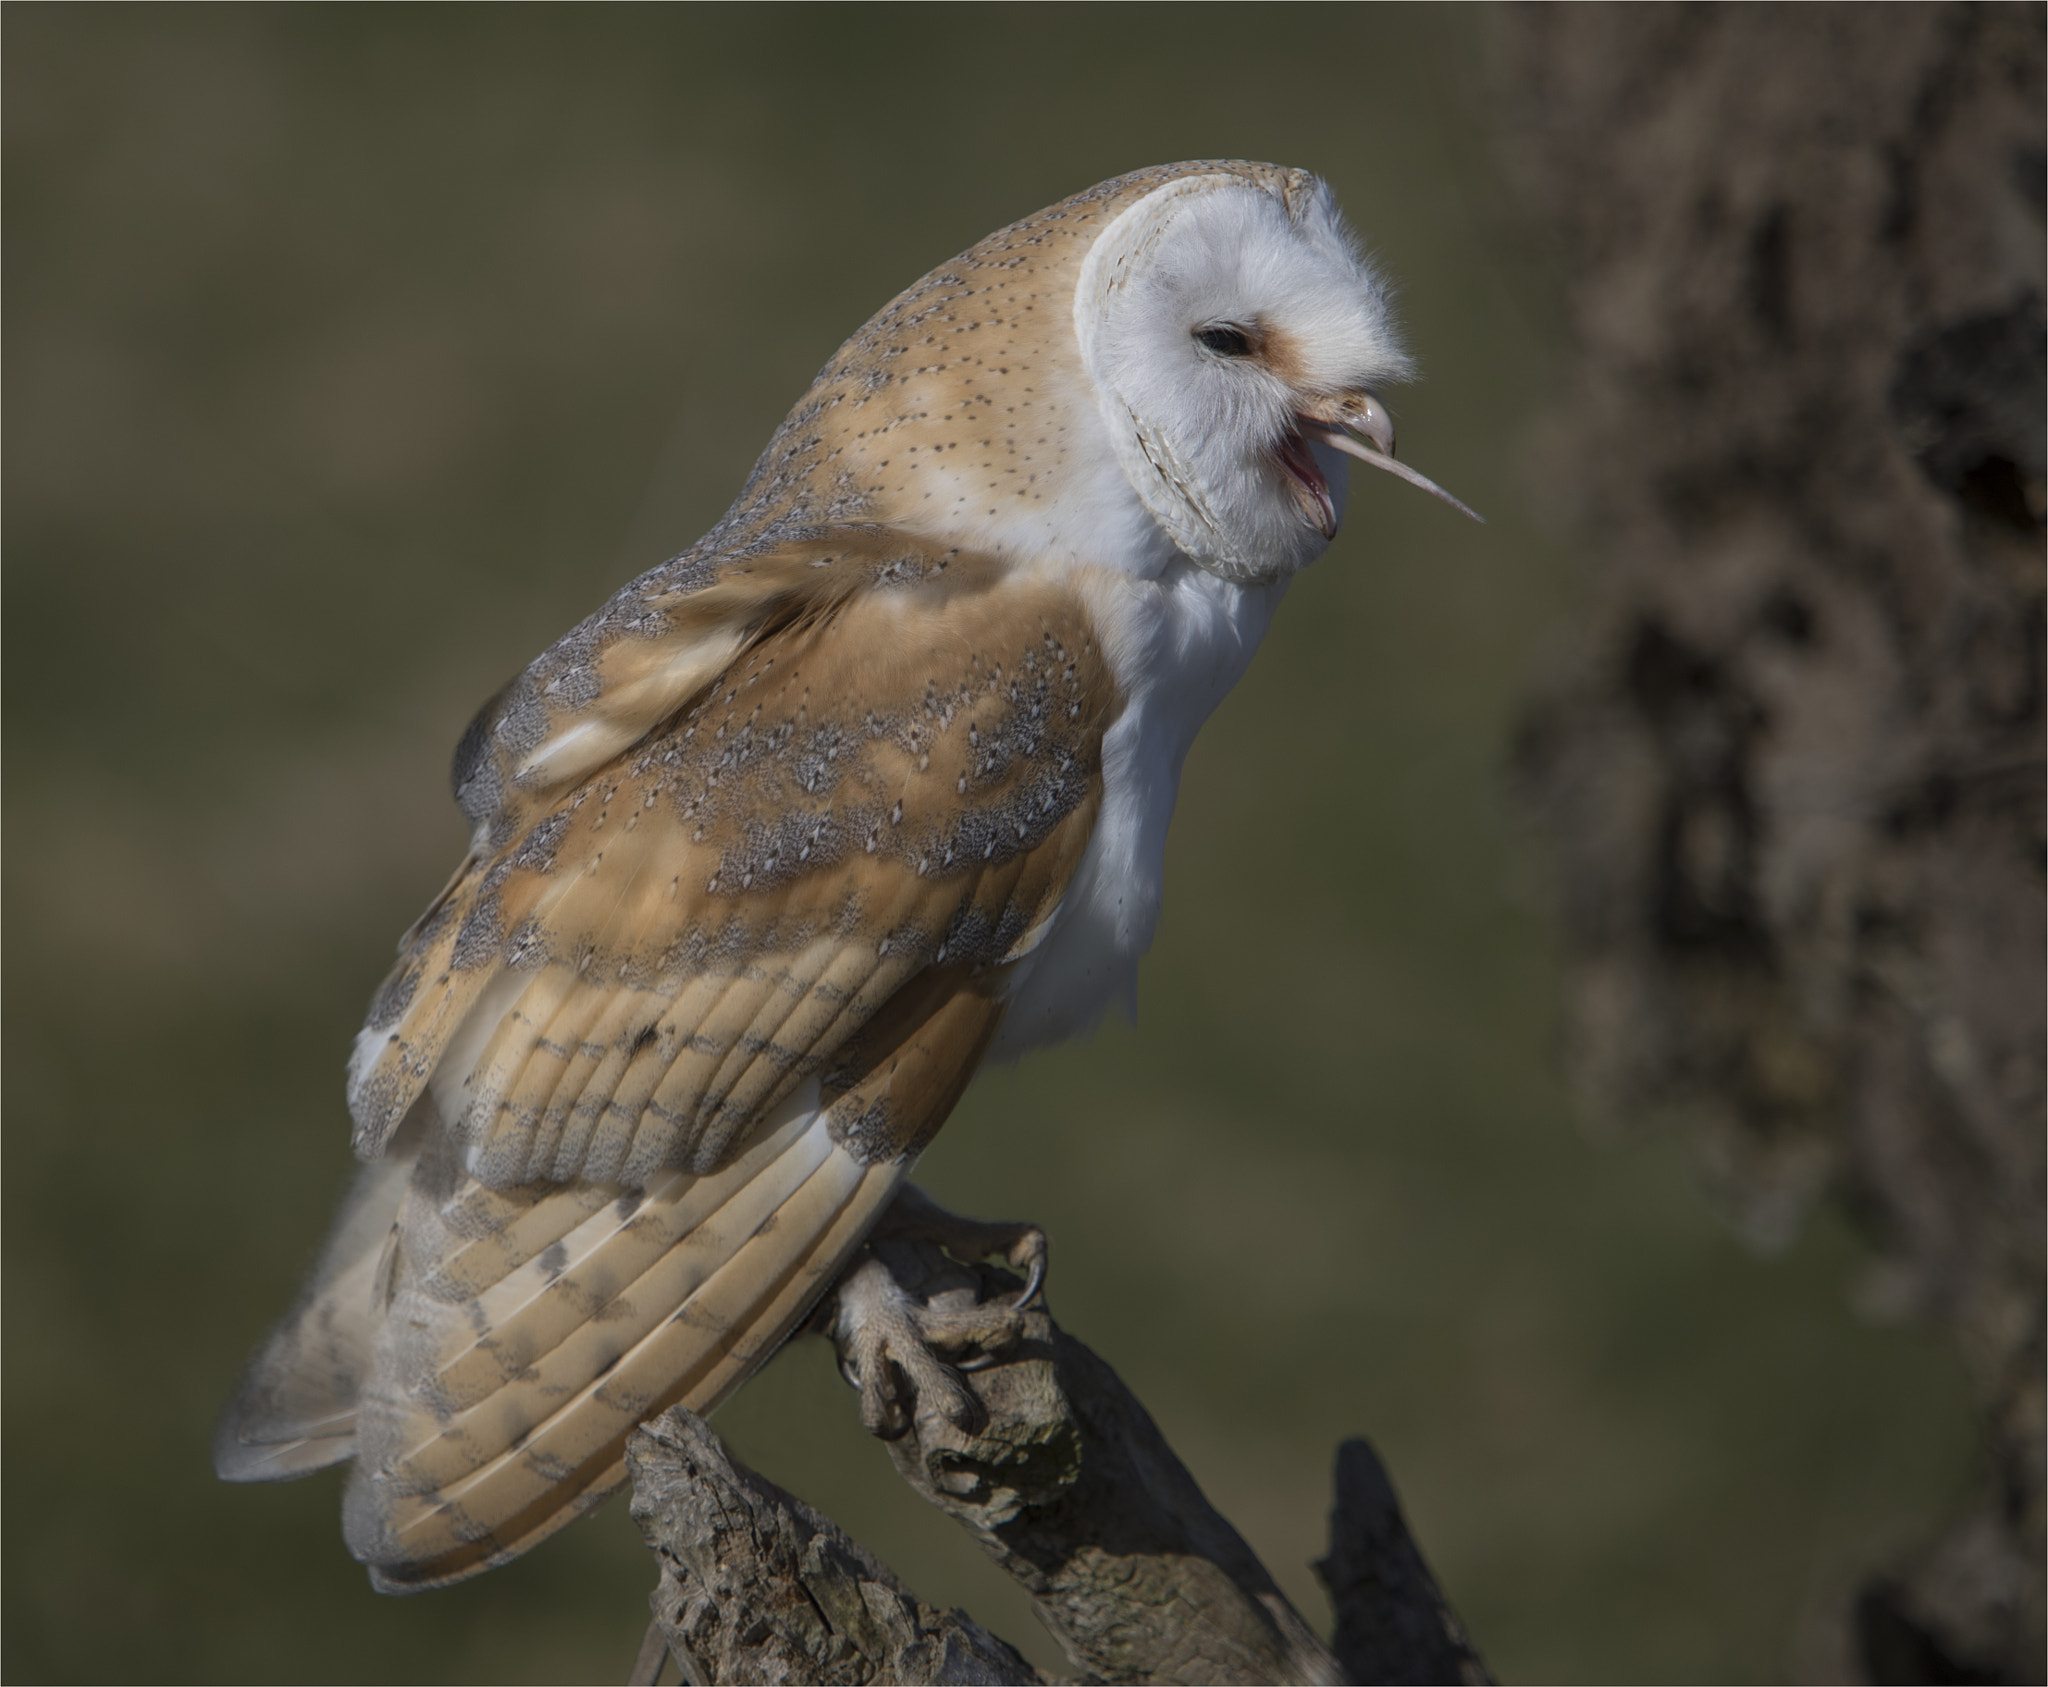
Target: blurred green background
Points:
(354, 354)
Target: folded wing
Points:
(671, 1041)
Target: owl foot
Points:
(915, 1216)
(902, 1303)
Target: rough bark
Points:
(1393, 1623)
(1066, 1482)
(1069, 1486)
(757, 1587)
(1792, 764)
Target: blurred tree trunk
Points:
(1792, 768)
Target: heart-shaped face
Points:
(1235, 335)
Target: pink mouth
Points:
(1311, 489)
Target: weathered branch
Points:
(756, 1586)
(1068, 1484)
(1393, 1624)
(1071, 1488)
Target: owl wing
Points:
(668, 1049)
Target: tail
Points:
(295, 1411)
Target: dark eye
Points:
(1225, 341)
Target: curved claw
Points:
(889, 1342)
(1022, 1301)
(1034, 1280)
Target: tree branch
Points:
(1070, 1487)
(756, 1586)
(1066, 1482)
(1393, 1624)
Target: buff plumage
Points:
(772, 850)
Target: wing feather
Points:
(816, 804)
(522, 1427)
(539, 1057)
(682, 1024)
(565, 1120)
(581, 1292)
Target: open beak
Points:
(1358, 425)
(1311, 490)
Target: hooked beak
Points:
(1358, 425)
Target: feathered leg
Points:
(889, 1339)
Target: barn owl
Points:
(868, 786)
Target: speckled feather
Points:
(900, 780)
(953, 405)
(767, 855)
(808, 886)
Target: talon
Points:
(890, 1344)
(1034, 1278)
(1022, 1247)
(962, 1409)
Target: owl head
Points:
(1236, 337)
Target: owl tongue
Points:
(1342, 436)
(1311, 491)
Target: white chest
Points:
(1178, 642)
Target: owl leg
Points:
(902, 1303)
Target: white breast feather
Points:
(1178, 642)
(1178, 638)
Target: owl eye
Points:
(1225, 341)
